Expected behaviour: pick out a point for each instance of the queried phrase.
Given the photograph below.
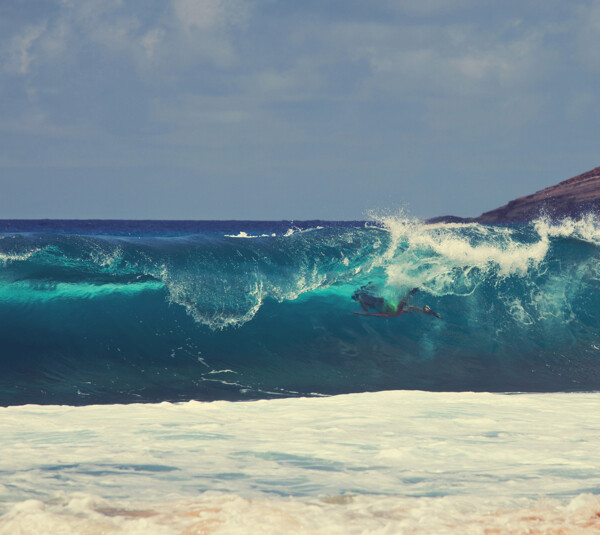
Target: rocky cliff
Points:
(570, 198)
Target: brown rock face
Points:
(570, 198)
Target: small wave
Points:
(296, 230)
(243, 234)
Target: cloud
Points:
(151, 40)
(20, 54)
(435, 59)
(203, 31)
(170, 39)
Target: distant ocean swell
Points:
(118, 312)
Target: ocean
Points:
(187, 377)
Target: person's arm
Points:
(404, 300)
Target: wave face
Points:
(108, 312)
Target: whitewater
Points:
(211, 377)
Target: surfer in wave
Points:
(375, 305)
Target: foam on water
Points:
(385, 462)
(586, 228)
(9, 257)
(216, 513)
(442, 257)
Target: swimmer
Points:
(373, 304)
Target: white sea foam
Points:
(243, 234)
(413, 462)
(450, 249)
(296, 230)
(586, 228)
(218, 513)
(9, 257)
(106, 258)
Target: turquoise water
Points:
(107, 312)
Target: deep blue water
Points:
(128, 311)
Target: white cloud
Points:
(201, 30)
(190, 32)
(151, 41)
(20, 56)
(515, 63)
(450, 59)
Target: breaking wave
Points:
(104, 312)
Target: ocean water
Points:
(211, 377)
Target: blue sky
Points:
(265, 109)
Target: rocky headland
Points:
(571, 198)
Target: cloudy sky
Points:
(272, 109)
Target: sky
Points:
(308, 109)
